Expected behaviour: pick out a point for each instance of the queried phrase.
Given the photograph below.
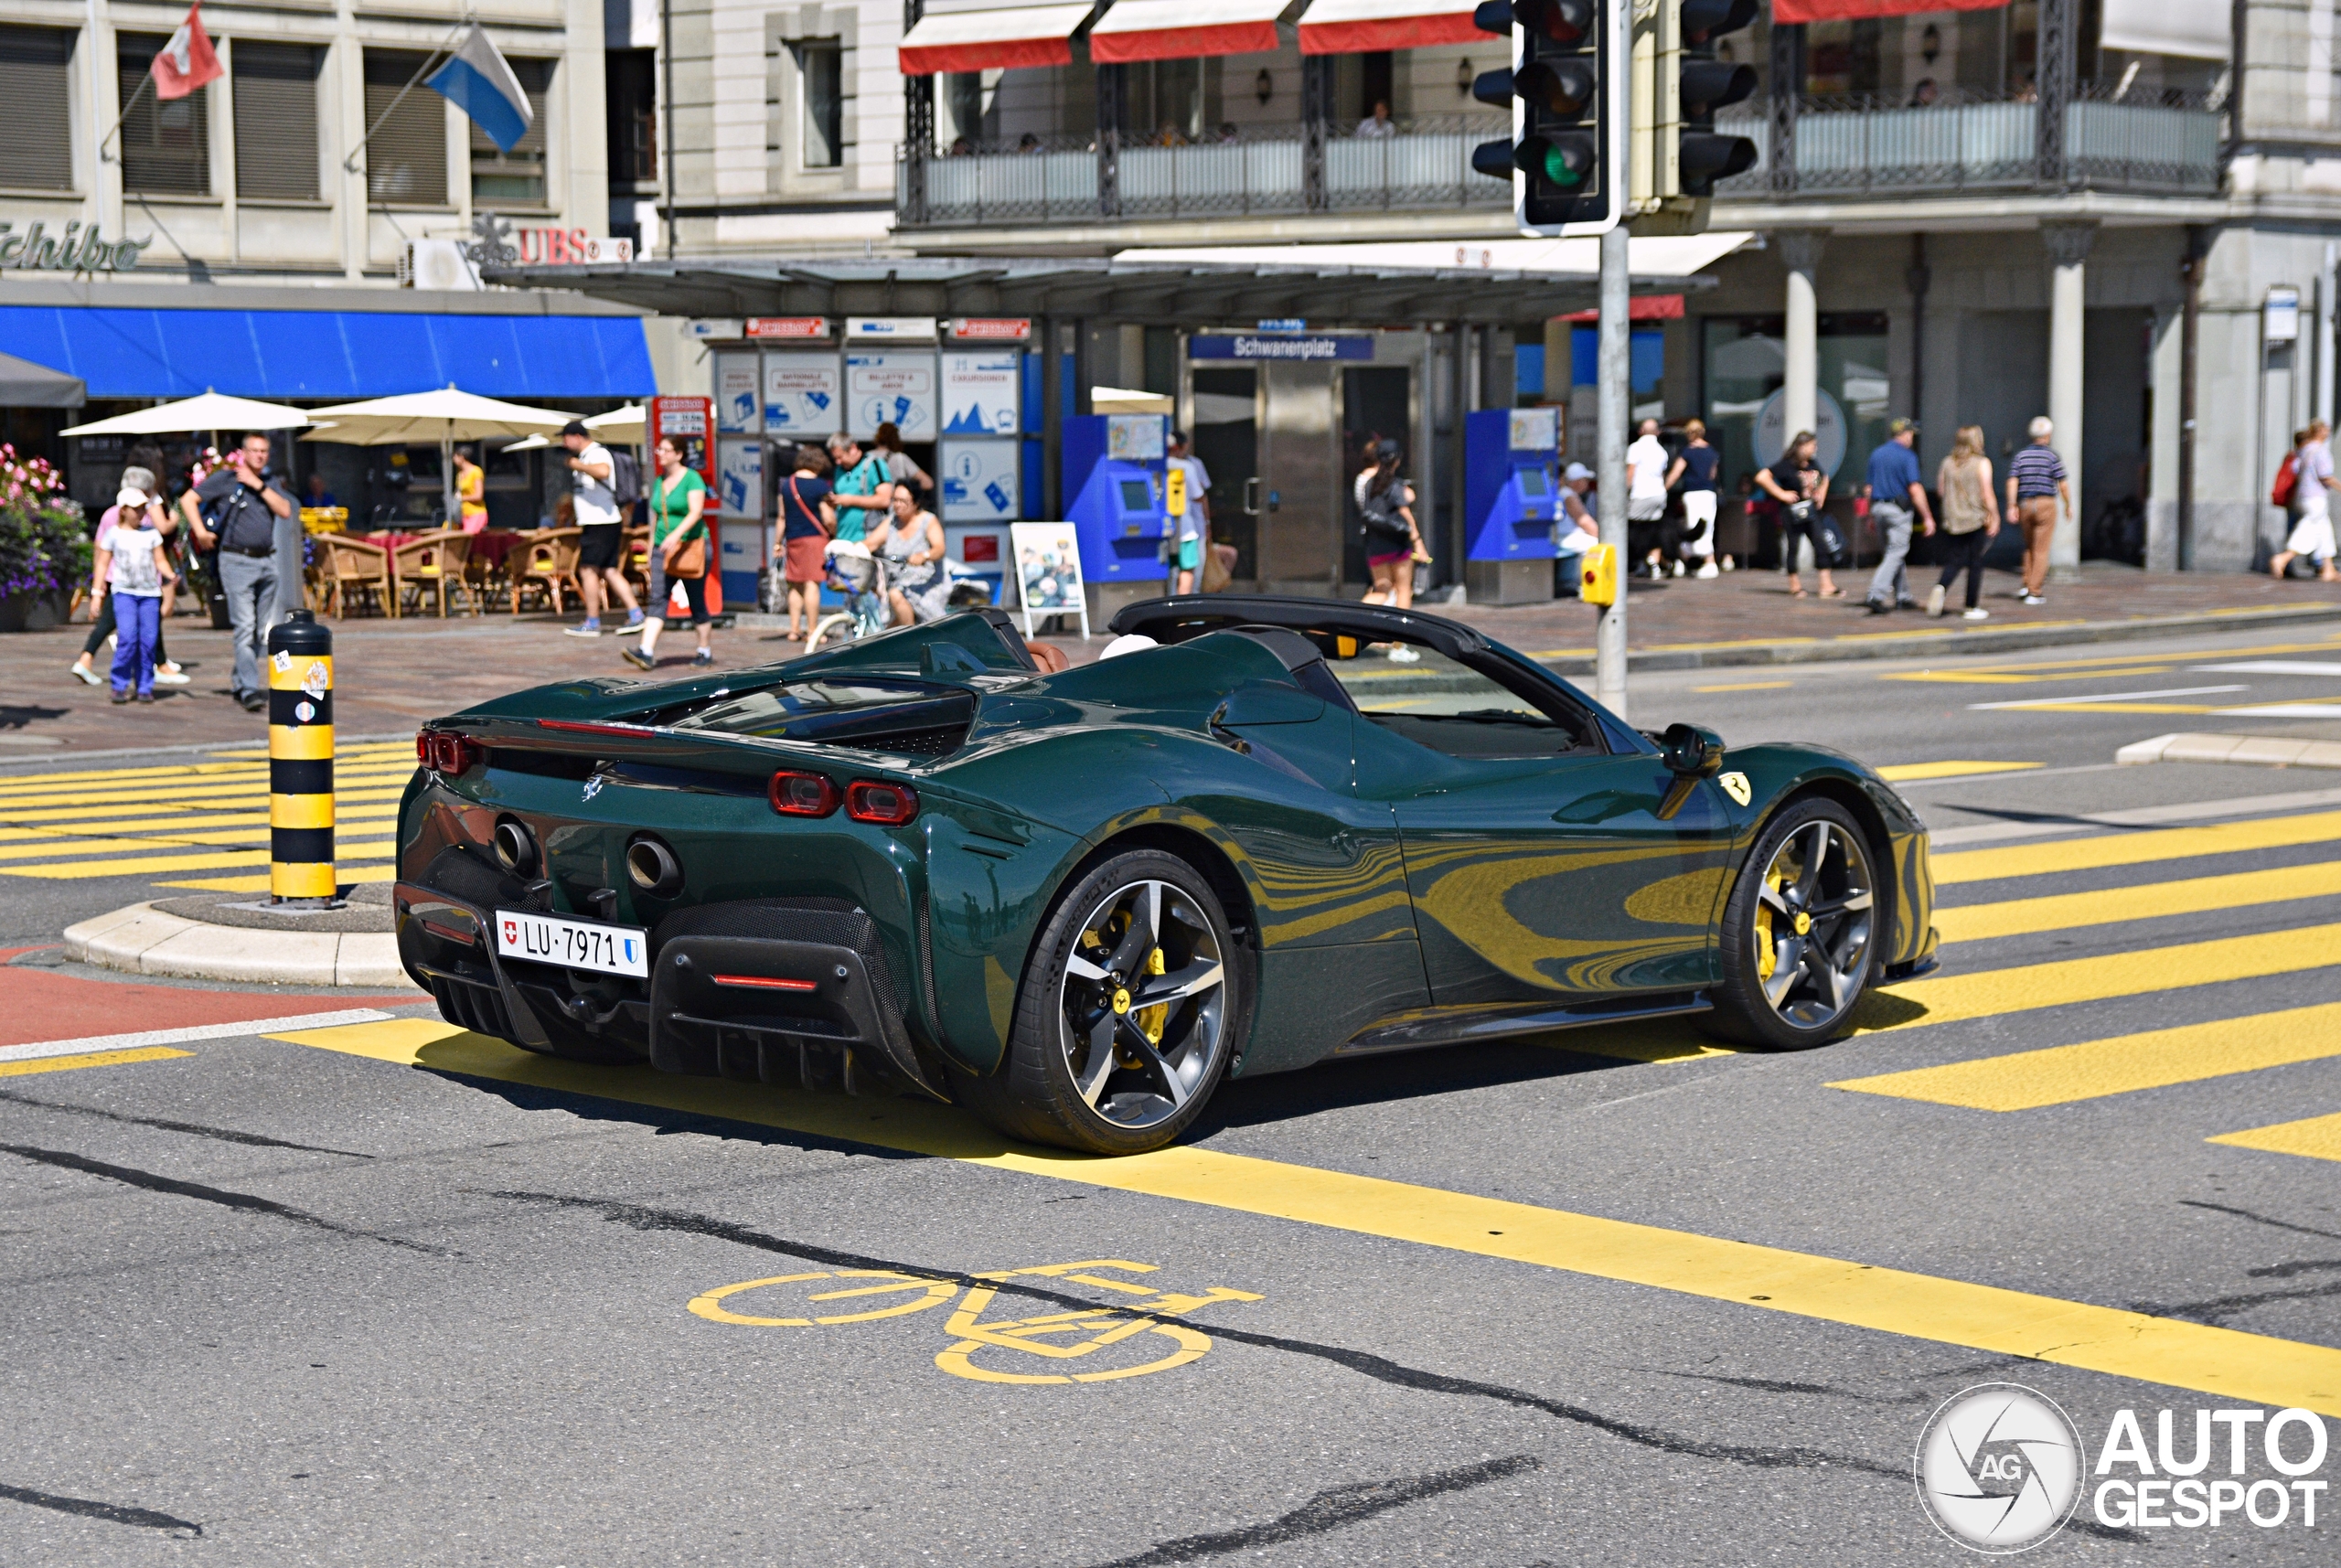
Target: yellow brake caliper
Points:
(1150, 1020)
(1767, 955)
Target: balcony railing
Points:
(1863, 146)
(1425, 166)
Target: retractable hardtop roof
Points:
(1183, 617)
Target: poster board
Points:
(982, 392)
(740, 477)
(804, 395)
(979, 480)
(1048, 573)
(685, 421)
(736, 397)
(890, 388)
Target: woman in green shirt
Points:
(680, 551)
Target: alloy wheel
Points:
(1813, 915)
(1142, 1009)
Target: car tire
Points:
(1800, 931)
(1084, 992)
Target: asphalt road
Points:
(380, 1294)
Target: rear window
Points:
(903, 717)
(774, 710)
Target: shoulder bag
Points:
(690, 561)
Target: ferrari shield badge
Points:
(1735, 787)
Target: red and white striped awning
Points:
(1367, 26)
(1003, 40)
(1184, 29)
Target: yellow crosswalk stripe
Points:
(1952, 998)
(2224, 1362)
(74, 870)
(2318, 1137)
(352, 876)
(2136, 848)
(1906, 772)
(2123, 1065)
(2148, 901)
(88, 1059)
(253, 800)
(138, 795)
(177, 827)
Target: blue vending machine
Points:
(1511, 497)
(1113, 490)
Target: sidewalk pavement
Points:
(391, 675)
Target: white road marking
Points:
(2286, 711)
(40, 1047)
(2106, 696)
(2140, 816)
(2270, 666)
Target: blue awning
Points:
(331, 355)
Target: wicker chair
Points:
(349, 564)
(634, 559)
(550, 563)
(433, 563)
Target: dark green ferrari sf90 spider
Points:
(1246, 841)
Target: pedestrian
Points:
(318, 496)
(1646, 465)
(2037, 487)
(245, 500)
(1797, 486)
(1385, 505)
(1576, 531)
(1377, 125)
(1191, 527)
(1895, 492)
(139, 496)
(2312, 535)
(807, 523)
(887, 447)
(1695, 470)
(679, 552)
(600, 537)
(863, 490)
(1970, 519)
(132, 567)
(471, 492)
(911, 542)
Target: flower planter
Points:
(33, 612)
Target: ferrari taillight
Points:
(446, 752)
(796, 794)
(889, 804)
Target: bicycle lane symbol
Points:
(1066, 1337)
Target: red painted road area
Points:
(41, 1005)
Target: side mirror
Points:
(1691, 753)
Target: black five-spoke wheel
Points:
(1799, 932)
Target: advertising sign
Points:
(1536, 430)
(1135, 438)
(684, 420)
(804, 394)
(997, 328)
(1047, 572)
(907, 329)
(980, 393)
(735, 394)
(740, 478)
(979, 480)
(894, 389)
(768, 326)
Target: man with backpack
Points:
(2311, 482)
(235, 511)
(601, 529)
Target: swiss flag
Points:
(187, 62)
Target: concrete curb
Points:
(2261, 751)
(141, 939)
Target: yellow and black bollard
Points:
(300, 763)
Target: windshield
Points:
(1455, 710)
(786, 710)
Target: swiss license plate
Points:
(572, 944)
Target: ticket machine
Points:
(1510, 501)
(1113, 478)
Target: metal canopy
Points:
(1182, 293)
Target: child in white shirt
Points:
(132, 564)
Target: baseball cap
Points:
(131, 496)
(1577, 471)
(1385, 449)
(1897, 426)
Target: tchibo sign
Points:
(77, 249)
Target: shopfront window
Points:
(1743, 362)
(516, 178)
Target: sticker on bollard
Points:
(300, 761)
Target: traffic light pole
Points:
(1616, 378)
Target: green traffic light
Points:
(1562, 161)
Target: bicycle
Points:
(860, 578)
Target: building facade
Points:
(2093, 209)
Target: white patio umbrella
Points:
(445, 416)
(210, 412)
(625, 426)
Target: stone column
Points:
(1801, 407)
(2068, 247)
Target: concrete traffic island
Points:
(235, 936)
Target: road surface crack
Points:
(88, 1507)
(151, 1183)
(193, 1129)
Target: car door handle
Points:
(1252, 497)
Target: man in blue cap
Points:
(1895, 493)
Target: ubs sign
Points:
(78, 249)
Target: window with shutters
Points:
(276, 121)
(820, 63)
(516, 178)
(36, 69)
(406, 159)
(166, 145)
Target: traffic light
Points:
(1563, 85)
(1704, 84)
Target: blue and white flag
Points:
(476, 80)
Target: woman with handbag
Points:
(679, 554)
(1797, 484)
(1386, 518)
